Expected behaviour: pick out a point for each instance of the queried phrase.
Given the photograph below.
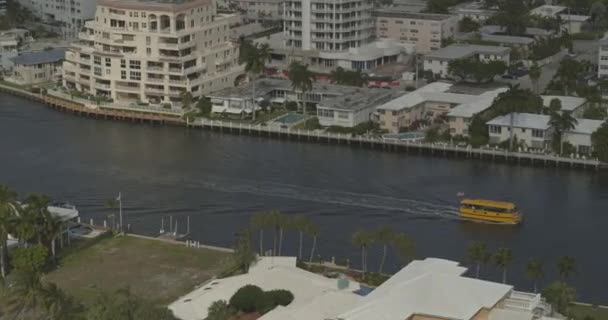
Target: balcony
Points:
(161, 69)
(127, 88)
(102, 85)
(154, 91)
(155, 80)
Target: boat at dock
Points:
(489, 211)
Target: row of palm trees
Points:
(401, 243)
(29, 221)
(279, 223)
(479, 256)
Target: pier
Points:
(316, 136)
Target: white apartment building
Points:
(437, 62)
(153, 51)
(328, 25)
(422, 29)
(602, 69)
(474, 11)
(2, 7)
(70, 15)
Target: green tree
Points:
(347, 77)
(513, 16)
(363, 240)
(260, 221)
(255, 63)
(595, 112)
(58, 304)
(599, 140)
(204, 106)
(566, 266)
(535, 271)
(8, 204)
(561, 122)
(219, 310)
(438, 6)
(560, 296)
(299, 223)
(186, 97)
(312, 230)
(404, 247)
(568, 72)
(503, 258)
(468, 25)
(123, 305)
(598, 15)
(243, 255)
(384, 236)
(535, 73)
(30, 260)
(245, 298)
(53, 228)
(278, 222)
(29, 292)
(476, 253)
(301, 80)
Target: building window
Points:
(538, 133)
(342, 115)
(108, 62)
(97, 71)
(135, 75)
(148, 51)
(123, 63)
(323, 113)
(97, 60)
(496, 129)
(123, 74)
(135, 64)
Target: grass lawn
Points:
(580, 312)
(153, 269)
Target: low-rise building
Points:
(437, 62)
(573, 23)
(531, 130)
(459, 118)
(602, 69)
(69, 16)
(418, 291)
(261, 10)
(574, 105)
(424, 30)
(10, 42)
(354, 109)
(580, 136)
(475, 11)
(38, 67)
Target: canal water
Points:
(220, 180)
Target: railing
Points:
(157, 80)
(102, 85)
(127, 88)
(155, 69)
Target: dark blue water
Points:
(221, 180)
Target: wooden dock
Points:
(316, 136)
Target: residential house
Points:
(425, 30)
(354, 109)
(37, 67)
(70, 16)
(532, 130)
(437, 62)
(459, 118)
(571, 22)
(575, 105)
(473, 10)
(580, 136)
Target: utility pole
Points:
(119, 199)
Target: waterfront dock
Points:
(313, 136)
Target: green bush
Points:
(281, 297)
(265, 303)
(246, 298)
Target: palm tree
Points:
(259, 222)
(509, 105)
(278, 223)
(566, 266)
(8, 202)
(404, 247)
(53, 227)
(312, 230)
(26, 225)
(477, 252)
(186, 99)
(503, 258)
(385, 236)
(112, 204)
(255, 63)
(363, 239)
(243, 254)
(535, 271)
(299, 223)
(301, 80)
(561, 122)
(535, 73)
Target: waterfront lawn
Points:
(580, 312)
(156, 270)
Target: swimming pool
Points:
(405, 136)
(290, 118)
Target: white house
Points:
(574, 105)
(580, 136)
(437, 62)
(533, 130)
(460, 116)
(355, 109)
(571, 22)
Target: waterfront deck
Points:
(316, 136)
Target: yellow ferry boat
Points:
(490, 211)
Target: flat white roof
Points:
(433, 92)
(460, 51)
(586, 126)
(270, 273)
(547, 10)
(574, 17)
(522, 120)
(432, 287)
(484, 101)
(568, 103)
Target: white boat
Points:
(64, 211)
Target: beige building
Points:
(261, 10)
(153, 51)
(422, 29)
(37, 67)
(438, 61)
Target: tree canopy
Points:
(599, 139)
(470, 70)
(348, 77)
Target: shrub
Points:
(246, 298)
(265, 303)
(281, 297)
